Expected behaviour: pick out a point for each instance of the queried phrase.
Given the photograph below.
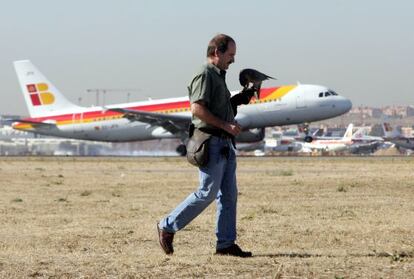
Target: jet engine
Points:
(252, 135)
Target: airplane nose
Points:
(347, 105)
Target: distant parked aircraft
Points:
(330, 143)
(363, 143)
(394, 136)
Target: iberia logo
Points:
(39, 94)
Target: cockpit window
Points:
(328, 93)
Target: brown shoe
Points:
(166, 240)
(234, 250)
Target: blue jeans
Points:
(217, 181)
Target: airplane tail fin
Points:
(389, 132)
(360, 133)
(348, 132)
(41, 96)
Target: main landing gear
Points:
(181, 150)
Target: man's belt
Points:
(216, 132)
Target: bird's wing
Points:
(269, 77)
(175, 124)
(252, 75)
(262, 76)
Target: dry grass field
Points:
(301, 217)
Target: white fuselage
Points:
(303, 104)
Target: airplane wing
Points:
(175, 124)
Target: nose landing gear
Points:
(308, 139)
(305, 129)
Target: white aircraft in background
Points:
(361, 135)
(364, 143)
(280, 142)
(394, 136)
(52, 114)
(330, 143)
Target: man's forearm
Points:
(206, 116)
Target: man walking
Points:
(212, 113)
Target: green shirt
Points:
(210, 87)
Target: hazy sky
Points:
(362, 49)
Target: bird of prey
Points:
(254, 77)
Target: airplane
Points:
(394, 136)
(330, 143)
(361, 135)
(283, 145)
(364, 143)
(52, 114)
(288, 141)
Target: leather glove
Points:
(242, 98)
(248, 93)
